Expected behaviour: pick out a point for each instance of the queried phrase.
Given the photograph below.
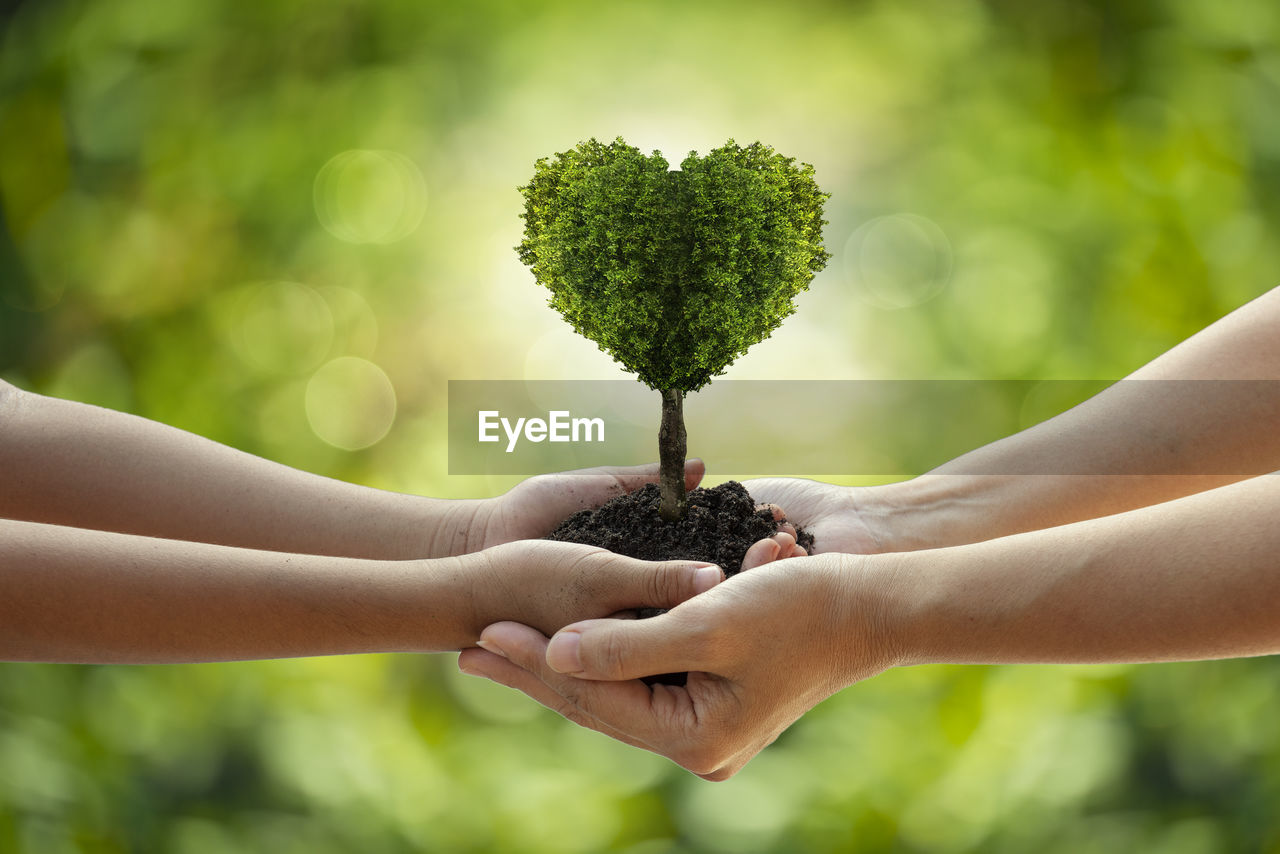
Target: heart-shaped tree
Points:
(673, 273)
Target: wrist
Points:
(508, 581)
(936, 511)
(471, 584)
(477, 584)
(943, 606)
(869, 593)
(433, 605)
(454, 528)
(416, 606)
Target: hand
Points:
(550, 584)
(533, 508)
(761, 649)
(841, 518)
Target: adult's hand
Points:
(1197, 417)
(1187, 579)
(851, 520)
(761, 649)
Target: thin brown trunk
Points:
(671, 450)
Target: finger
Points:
(694, 470)
(625, 614)
(669, 720)
(479, 662)
(717, 760)
(658, 718)
(780, 519)
(621, 479)
(760, 553)
(786, 542)
(724, 765)
(637, 583)
(614, 650)
(779, 515)
(737, 762)
(799, 551)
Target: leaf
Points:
(673, 273)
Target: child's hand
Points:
(534, 508)
(548, 585)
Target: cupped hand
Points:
(841, 518)
(534, 507)
(548, 584)
(761, 649)
(551, 584)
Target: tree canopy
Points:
(673, 273)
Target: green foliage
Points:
(673, 273)
(1105, 177)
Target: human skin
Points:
(1157, 435)
(75, 595)
(126, 540)
(1165, 553)
(68, 463)
(1192, 578)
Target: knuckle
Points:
(610, 655)
(568, 710)
(585, 573)
(660, 586)
(702, 759)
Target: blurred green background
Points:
(287, 225)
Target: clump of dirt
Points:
(719, 525)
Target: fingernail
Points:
(706, 578)
(562, 653)
(490, 646)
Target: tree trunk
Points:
(671, 451)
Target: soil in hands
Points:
(719, 525)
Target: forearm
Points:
(938, 511)
(1193, 578)
(72, 464)
(91, 596)
(1200, 416)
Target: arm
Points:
(68, 463)
(1193, 578)
(91, 596)
(1197, 577)
(1135, 444)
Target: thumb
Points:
(611, 479)
(631, 478)
(614, 650)
(663, 584)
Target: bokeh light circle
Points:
(370, 196)
(1001, 303)
(281, 327)
(350, 403)
(898, 261)
(355, 325)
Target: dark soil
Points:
(719, 525)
